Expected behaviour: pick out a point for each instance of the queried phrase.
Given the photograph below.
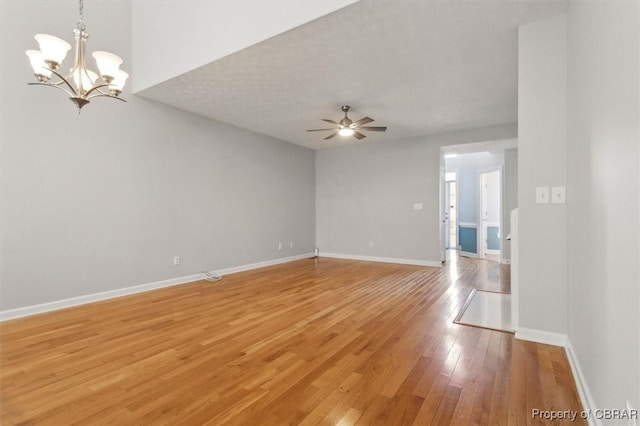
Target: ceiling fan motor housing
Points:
(346, 121)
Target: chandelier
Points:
(81, 84)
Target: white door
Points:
(490, 208)
(443, 215)
(451, 215)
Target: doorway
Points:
(490, 191)
(450, 214)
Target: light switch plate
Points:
(417, 206)
(558, 194)
(542, 195)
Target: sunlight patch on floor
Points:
(487, 309)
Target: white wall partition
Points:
(542, 162)
(579, 109)
(603, 201)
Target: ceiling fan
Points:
(347, 127)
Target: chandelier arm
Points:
(49, 83)
(98, 87)
(106, 95)
(64, 80)
(57, 86)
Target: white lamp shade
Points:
(108, 63)
(118, 81)
(37, 63)
(346, 131)
(88, 79)
(53, 48)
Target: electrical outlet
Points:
(279, 246)
(371, 244)
(176, 260)
(291, 244)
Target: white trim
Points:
(105, 295)
(515, 254)
(581, 385)
(563, 340)
(468, 254)
(90, 298)
(383, 259)
(467, 224)
(264, 264)
(539, 336)
(557, 339)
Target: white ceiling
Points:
(418, 67)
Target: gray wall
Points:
(602, 197)
(542, 153)
(104, 200)
(365, 193)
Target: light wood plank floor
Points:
(310, 342)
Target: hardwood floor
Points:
(309, 342)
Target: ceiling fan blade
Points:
(362, 121)
(318, 130)
(332, 135)
(374, 129)
(358, 135)
(330, 121)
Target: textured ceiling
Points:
(418, 67)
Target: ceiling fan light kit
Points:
(346, 127)
(81, 84)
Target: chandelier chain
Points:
(81, 25)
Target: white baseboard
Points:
(264, 264)
(105, 295)
(538, 336)
(563, 340)
(581, 384)
(431, 263)
(468, 254)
